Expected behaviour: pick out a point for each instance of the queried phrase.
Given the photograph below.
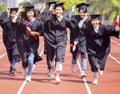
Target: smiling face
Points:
(59, 11)
(95, 22)
(82, 13)
(30, 14)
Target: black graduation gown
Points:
(25, 42)
(98, 44)
(55, 31)
(79, 33)
(55, 34)
(8, 31)
(20, 39)
(33, 43)
(9, 37)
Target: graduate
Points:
(29, 30)
(9, 39)
(55, 37)
(98, 43)
(81, 46)
(49, 6)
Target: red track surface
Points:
(71, 83)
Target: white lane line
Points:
(86, 85)
(115, 42)
(22, 87)
(114, 58)
(25, 82)
(85, 81)
(3, 55)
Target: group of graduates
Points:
(21, 31)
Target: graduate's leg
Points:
(23, 54)
(83, 65)
(49, 58)
(60, 54)
(102, 62)
(58, 70)
(30, 66)
(15, 56)
(74, 59)
(9, 54)
(93, 61)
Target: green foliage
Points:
(70, 3)
(24, 4)
(110, 7)
(2, 8)
(115, 8)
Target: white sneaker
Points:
(51, 74)
(57, 79)
(73, 68)
(24, 72)
(101, 72)
(95, 82)
(83, 74)
(28, 78)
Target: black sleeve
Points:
(40, 28)
(110, 29)
(73, 34)
(4, 18)
(19, 25)
(46, 15)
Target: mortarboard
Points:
(13, 9)
(82, 5)
(59, 5)
(49, 3)
(28, 8)
(95, 16)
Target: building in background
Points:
(13, 3)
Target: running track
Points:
(109, 83)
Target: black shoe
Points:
(12, 71)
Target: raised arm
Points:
(14, 20)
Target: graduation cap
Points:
(13, 9)
(49, 3)
(82, 5)
(59, 5)
(29, 8)
(95, 16)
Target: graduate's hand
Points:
(85, 17)
(73, 8)
(117, 28)
(33, 33)
(44, 6)
(51, 7)
(20, 9)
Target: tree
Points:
(41, 1)
(70, 3)
(110, 7)
(115, 8)
(25, 4)
(2, 8)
